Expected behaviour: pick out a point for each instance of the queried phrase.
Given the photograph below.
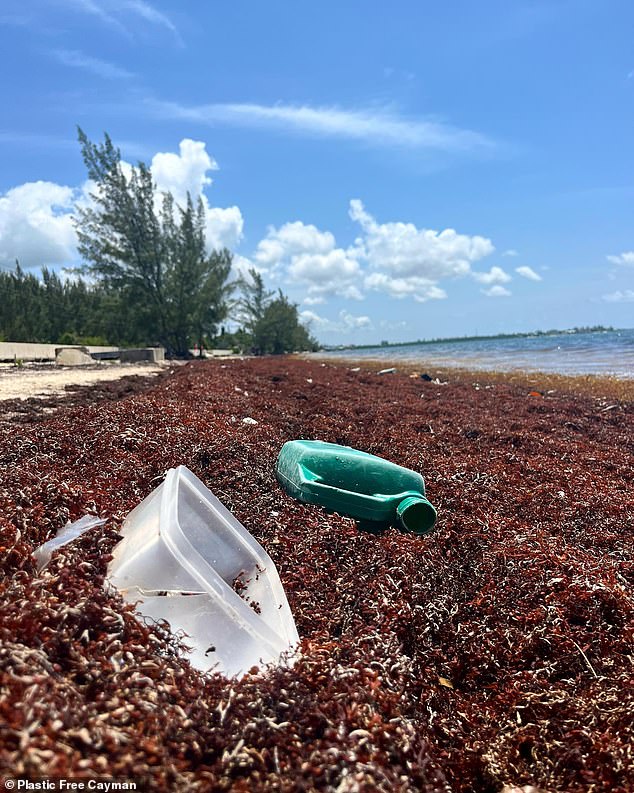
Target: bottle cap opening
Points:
(416, 514)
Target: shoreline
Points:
(596, 385)
(45, 382)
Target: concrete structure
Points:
(73, 356)
(24, 351)
(152, 354)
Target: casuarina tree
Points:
(279, 329)
(151, 250)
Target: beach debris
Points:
(392, 370)
(535, 394)
(355, 369)
(249, 420)
(438, 381)
(357, 484)
(185, 559)
(65, 535)
(522, 789)
(73, 356)
(426, 377)
(493, 603)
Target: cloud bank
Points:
(36, 225)
(36, 218)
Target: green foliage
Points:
(155, 260)
(268, 325)
(49, 309)
(254, 300)
(279, 329)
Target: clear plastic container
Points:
(184, 558)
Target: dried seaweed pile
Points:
(495, 652)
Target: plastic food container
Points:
(184, 558)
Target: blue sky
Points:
(412, 171)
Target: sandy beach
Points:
(24, 382)
(492, 655)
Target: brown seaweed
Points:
(495, 652)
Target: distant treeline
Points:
(51, 310)
(448, 339)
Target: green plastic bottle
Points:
(376, 492)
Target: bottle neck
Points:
(416, 514)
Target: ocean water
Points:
(596, 353)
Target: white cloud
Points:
(328, 273)
(421, 289)
(101, 68)
(496, 275)
(345, 322)
(626, 258)
(309, 256)
(528, 272)
(224, 226)
(150, 14)
(188, 172)
(408, 261)
(352, 321)
(310, 318)
(496, 291)
(290, 240)
(510, 252)
(36, 218)
(395, 258)
(387, 324)
(36, 225)
(405, 250)
(111, 11)
(94, 9)
(625, 296)
(183, 172)
(381, 126)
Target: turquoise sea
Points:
(597, 353)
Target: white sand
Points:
(25, 382)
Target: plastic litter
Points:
(392, 370)
(345, 480)
(65, 535)
(185, 558)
